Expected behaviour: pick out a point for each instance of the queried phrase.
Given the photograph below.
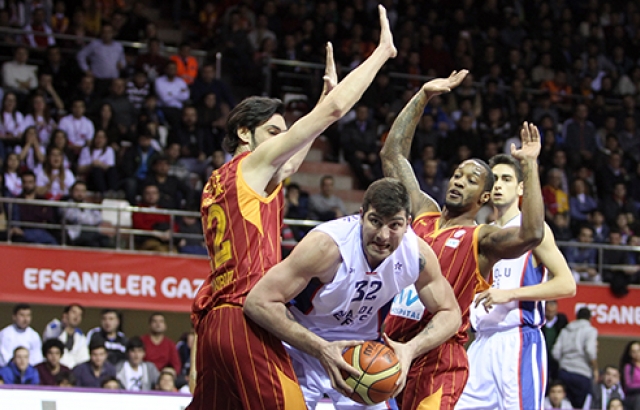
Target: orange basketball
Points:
(379, 370)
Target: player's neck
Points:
(450, 218)
(506, 214)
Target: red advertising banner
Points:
(122, 280)
(610, 315)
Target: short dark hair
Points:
(96, 344)
(584, 313)
(505, 159)
(555, 383)
(21, 306)
(27, 173)
(50, 344)
(154, 314)
(75, 184)
(135, 343)
(109, 310)
(68, 376)
(387, 196)
(71, 306)
(250, 113)
(326, 177)
(106, 380)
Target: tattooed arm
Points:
(437, 296)
(396, 149)
(316, 256)
(509, 243)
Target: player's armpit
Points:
(497, 243)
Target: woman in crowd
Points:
(630, 372)
(40, 117)
(11, 120)
(53, 180)
(30, 152)
(97, 162)
(12, 181)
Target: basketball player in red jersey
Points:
(238, 364)
(466, 251)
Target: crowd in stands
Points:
(102, 358)
(105, 121)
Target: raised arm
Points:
(396, 149)
(330, 80)
(437, 297)
(496, 243)
(316, 256)
(560, 285)
(269, 156)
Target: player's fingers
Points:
(348, 368)
(513, 149)
(341, 385)
(480, 298)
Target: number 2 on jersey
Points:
(221, 249)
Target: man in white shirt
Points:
(67, 330)
(172, 92)
(17, 75)
(79, 128)
(20, 334)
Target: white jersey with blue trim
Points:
(354, 304)
(512, 274)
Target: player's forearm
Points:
(276, 318)
(558, 287)
(532, 229)
(440, 328)
(397, 147)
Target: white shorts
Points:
(507, 371)
(315, 383)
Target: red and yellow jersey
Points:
(242, 232)
(457, 250)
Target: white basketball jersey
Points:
(354, 304)
(511, 274)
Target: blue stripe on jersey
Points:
(532, 276)
(531, 370)
(383, 312)
(304, 301)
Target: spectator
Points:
(53, 180)
(12, 122)
(31, 153)
(135, 374)
(325, 205)
(172, 191)
(617, 272)
(605, 390)
(12, 181)
(555, 199)
(599, 226)
(583, 260)
(212, 119)
(79, 129)
(580, 134)
(186, 64)
(109, 335)
(105, 122)
(32, 214)
(176, 167)
(68, 332)
(123, 109)
(103, 58)
(97, 369)
(193, 226)
(360, 145)
(40, 117)
(158, 224)
(557, 397)
(617, 203)
(87, 93)
(59, 19)
(136, 164)
(184, 347)
(17, 75)
(138, 89)
(111, 383)
(166, 382)
(172, 92)
(83, 224)
(51, 96)
(610, 174)
(65, 380)
(615, 404)
(20, 334)
(152, 63)
(97, 164)
(581, 203)
(629, 139)
(160, 350)
(196, 144)
(64, 72)
(18, 370)
(630, 369)
(42, 36)
(576, 351)
(52, 350)
(554, 323)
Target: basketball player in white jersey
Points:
(339, 283)
(507, 359)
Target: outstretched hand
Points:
(330, 77)
(386, 38)
(439, 86)
(531, 145)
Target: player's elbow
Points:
(569, 287)
(252, 306)
(335, 108)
